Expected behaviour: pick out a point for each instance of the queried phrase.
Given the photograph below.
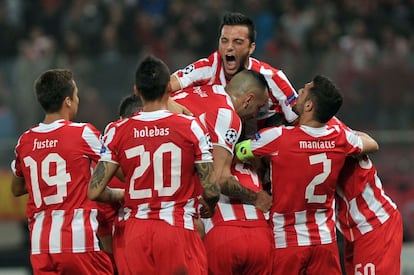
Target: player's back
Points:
(202, 99)
(157, 152)
(362, 204)
(56, 163)
(55, 160)
(305, 164)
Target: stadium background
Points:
(366, 46)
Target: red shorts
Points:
(314, 259)
(118, 245)
(155, 247)
(376, 252)
(72, 263)
(239, 250)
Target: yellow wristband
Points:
(244, 150)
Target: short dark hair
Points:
(129, 105)
(239, 19)
(52, 87)
(326, 97)
(151, 78)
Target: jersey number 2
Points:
(310, 195)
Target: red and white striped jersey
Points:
(209, 71)
(361, 202)
(156, 152)
(56, 161)
(214, 108)
(305, 165)
(235, 212)
(112, 214)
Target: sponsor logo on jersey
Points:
(316, 144)
(231, 136)
(188, 69)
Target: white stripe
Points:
(189, 212)
(78, 231)
(208, 224)
(94, 225)
(142, 211)
(279, 233)
(37, 231)
(358, 217)
(167, 212)
(55, 237)
(302, 232)
(373, 204)
(226, 211)
(250, 212)
(324, 231)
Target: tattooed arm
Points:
(211, 189)
(231, 187)
(98, 190)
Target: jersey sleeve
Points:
(108, 148)
(203, 152)
(354, 142)
(93, 141)
(198, 73)
(263, 143)
(282, 94)
(225, 127)
(16, 164)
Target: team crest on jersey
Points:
(188, 69)
(103, 149)
(231, 136)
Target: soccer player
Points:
(158, 152)
(368, 219)
(53, 165)
(238, 237)
(306, 160)
(221, 110)
(235, 46)
(112, 225)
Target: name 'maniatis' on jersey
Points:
(316, 144)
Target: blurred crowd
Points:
(366, 46)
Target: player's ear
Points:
(248, 100)
(68, 101)
(136, 92)
(252, 48)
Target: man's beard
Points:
(243, 61)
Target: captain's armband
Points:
(243, 150)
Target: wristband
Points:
(244, 150)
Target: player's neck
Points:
(50, 118)
(155, 106)
(308, 120)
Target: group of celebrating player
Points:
(181, 175)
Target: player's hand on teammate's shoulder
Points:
(178, 108)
